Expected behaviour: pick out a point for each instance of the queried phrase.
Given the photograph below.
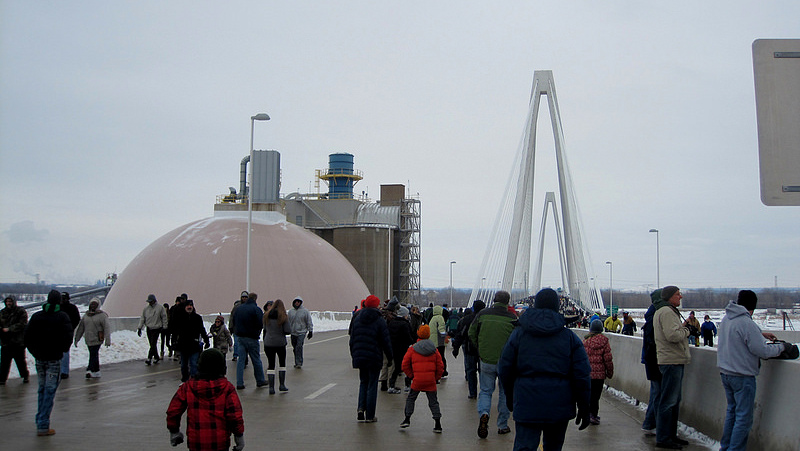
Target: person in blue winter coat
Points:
(369, 341)
(545, 372)
(708, 331)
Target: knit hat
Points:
(668, 291)
(372, 301)
(747, 299)
(211, 364)
(221, 318)
(478, 305)
(54, 297)
(424, 331)
(596, 326)
(151, 298)
(546, 298)
(244, 294)
(402, 312)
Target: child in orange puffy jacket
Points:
(423, 364)
(602, 363)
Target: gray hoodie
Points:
(741, 343)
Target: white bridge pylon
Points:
(507, 262)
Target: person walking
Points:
(13, 320)
(650, 362)
(602, 363)
(741, 345)
(213, 409)
(672, 350)
(438, 336)
(47, 337)
(416, 319)
(545, 373)
(154, 318)
(694, 338)
(222, 339)
(489, 331)
(249, 321)
(192, 338)
(423, 364)
(302, 326)
(708, 330)
(74, 318)
(276, 328)
(175, 315)
(401, 337)
(232, 324)
(369, 342)
(461, 341)
(612, 324)
(165, 337)
(95, 330)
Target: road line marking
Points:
(106, 382)
(320, 391)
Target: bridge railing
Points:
(703, 401)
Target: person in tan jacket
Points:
(672, 350)
(95, 330)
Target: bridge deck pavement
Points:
(125, 410)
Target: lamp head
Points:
(260, 117)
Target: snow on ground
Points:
(127, 345)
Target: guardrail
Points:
(703, 400)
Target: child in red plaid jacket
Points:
(213, 410)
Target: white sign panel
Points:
(776, 65)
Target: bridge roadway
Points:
(125, 410)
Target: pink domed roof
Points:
(207, 260)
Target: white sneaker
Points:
(393, 390)
(649, 431)
(96, 375)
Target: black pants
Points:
(442, 352)
(594, 397)
(271, 352)
(11, 351)
(152, 337)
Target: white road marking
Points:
(320, 391)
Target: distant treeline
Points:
(692, 297)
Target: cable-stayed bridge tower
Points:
(507, 261)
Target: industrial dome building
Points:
(332, 251)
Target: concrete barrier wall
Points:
(131, 323)
(703, 402)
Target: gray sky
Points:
(120, 121)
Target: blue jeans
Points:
(188, 364)
(297, 347)
(49, 372)
(652, 406)
(249, 347)
(669, 402)
(471, 371)
(487, 378)
(740, 391)
(94, 359)
(65, 363)
(552, 436)
(368, 390)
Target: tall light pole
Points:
(451, 283)
(610, 287)
(658, 259)
(253, 119)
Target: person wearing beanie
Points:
(213, 409)
(650, 362)
(740, 348)
(221, 338)
(489, 331)
(708, 330)
(13, 320)
(694, 337)
(248, 319)
(613, 324)
(47, 337)
(461, 341)
(192, 337)
(438, 336)
(369, 342)
(154, 318)
(232, 325)
(74, 318)
(545, 372)
(628, 324)
(423, 364)
(95, 330)
(302, 327)
(672, 350)
(402, 337)
(602, 363)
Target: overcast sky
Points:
(120, 121)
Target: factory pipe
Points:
(243, 177)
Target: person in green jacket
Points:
(489, 331)
(438, 327)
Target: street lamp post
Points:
(253, 119)
(610, 287)
(451, 283)
(658, 258)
